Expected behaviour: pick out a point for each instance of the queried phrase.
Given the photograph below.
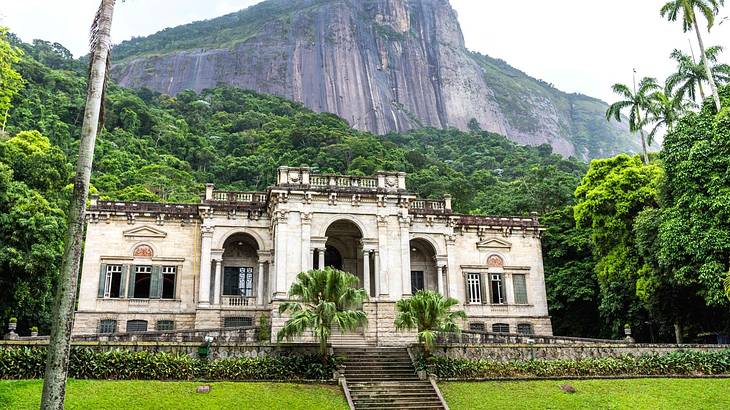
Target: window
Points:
(142, 281)
(497, 290)
(113, 281)
(238, 321)
(520, 286)
(477, 326)
(238, 281)
(500, 328)
(165, 325)
(136, 326)
(417, 281)
(107, 326)
(169, 274)
(474, 289)
(524, 329)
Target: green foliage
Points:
(572, 286)
(322, 299)
(611, 195)
(29, 363)
(675, 363)
(10, 81)
(264, 330)
(429, 313)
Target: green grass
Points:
(654, 394)
(119, 395)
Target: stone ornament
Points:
(144, 251)
(495, 261)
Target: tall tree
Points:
(429, 313)
(10, 81)
(54, 384)
(665, 110)
(688, 10)
(690, 75)
(321, 299)
(639, 103)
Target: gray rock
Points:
(382, 65)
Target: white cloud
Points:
(580, 46)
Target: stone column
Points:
(205, 261)
(440, 279)
(306, 222)
(381, 257)
(405, 250)
(260, 284)
(320, 256)
(376, 268)
(218, 288)
(366, 270)
(280, 253)
(454, 282)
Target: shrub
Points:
(675, 363)
(264, 334)
(13, 320)
(34, 329)
(29, 363)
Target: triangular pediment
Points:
(145, 232)
(494, 243)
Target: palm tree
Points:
(639, 103)
(690, 75)
(54, 383)
(666, 109)
(688, 10)
(323, 298)
(429, 313)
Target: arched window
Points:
(500, 328)
(136, 326)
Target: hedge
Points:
(85, 363)
(693, 363)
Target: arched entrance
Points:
(424, 272)
(240, 268)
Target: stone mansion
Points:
(231, 258)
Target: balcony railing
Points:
(238, 301)
(473, 337)
(343, 181)
(234, 196)
(428, 206)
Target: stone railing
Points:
(141, 207)
(239, 197)
(238, 301)
(232, 334)
(430, 206)
(472, 337)
(496, 221)
(343, 181)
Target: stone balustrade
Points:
(238, 301)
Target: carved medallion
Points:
(495, 261)
(391, 181)
(144, 251)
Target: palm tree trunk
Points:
(678, 332)
(54, 384)
(702, 91)
(644, 151)
(708, 70)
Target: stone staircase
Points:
(384, 378)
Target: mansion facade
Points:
(231, 258)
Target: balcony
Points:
(431, 207)
(238, 302)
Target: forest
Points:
(627, 243)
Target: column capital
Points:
(216, 255)
(207, 231)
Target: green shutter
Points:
(122, 281)
(483, 281)
(155, 282)
(466, 288)
(132, 278)
(102, 279)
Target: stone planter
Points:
(33, 334)
(627, 331)
(12, 326)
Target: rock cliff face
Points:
(382, 65)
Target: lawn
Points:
(119, 395)
(632, 394)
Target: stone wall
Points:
(507, 352)
(218, 350)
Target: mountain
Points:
(382, 65)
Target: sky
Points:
(577, 45)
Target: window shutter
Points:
(483, 282)
(178, 272)
(132, 279)
(155, 282)
(102, 279)
(122, 282)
